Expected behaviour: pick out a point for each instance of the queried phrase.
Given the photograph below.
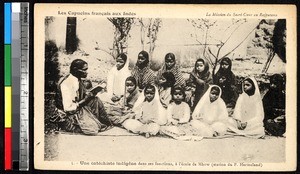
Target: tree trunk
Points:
(71, 38)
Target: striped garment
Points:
(143, 76)
(179, 80)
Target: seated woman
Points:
(248, 114)
(83, 112)
(201, 77)
(210, 115)
(116, 80)
(122, 110)
(178, 114)
(171, 66)
(149, 114)
(142, 72)
(274, 106)
(166, 82)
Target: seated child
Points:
(248, 116)
(225, 70)
(210, 115)
(274, 106)
(178, 113)
(131, 94)
(148, 115)
(201, 77)
(166, 82)
(116, 80)
(226, 79)
(121, 111)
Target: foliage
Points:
(208, 40)
(51, 66)
(122, 28)
(149, 27)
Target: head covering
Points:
(170, 55)
(205, 74)
(252, 90)
(228, 74)
(249, 108)
(116, 78)
(275, 98)
(161, 111)
(208, 111)
(179, 80)
(228, 61)
(278, 80)
(146, 55)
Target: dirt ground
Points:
(119, 145)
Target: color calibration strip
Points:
(16, 70)
(8, 88)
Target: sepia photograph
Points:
(165, 87)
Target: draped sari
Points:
(210, 118)
(249, 110)
(148, 116)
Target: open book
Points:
(96, 89)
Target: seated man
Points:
(83, 111)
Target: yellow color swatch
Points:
(8, 107)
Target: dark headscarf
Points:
(205, 74)
(228, 74)
(146, 55)
(278, 80)
(228, 61)
(171, 55)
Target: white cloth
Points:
(142, 108)
(210, 112)
(249, 109)
(180, 112)
(69, 91)
(210, 117)
(116, 80)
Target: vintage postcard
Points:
(165, 87)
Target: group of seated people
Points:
(149, 103)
